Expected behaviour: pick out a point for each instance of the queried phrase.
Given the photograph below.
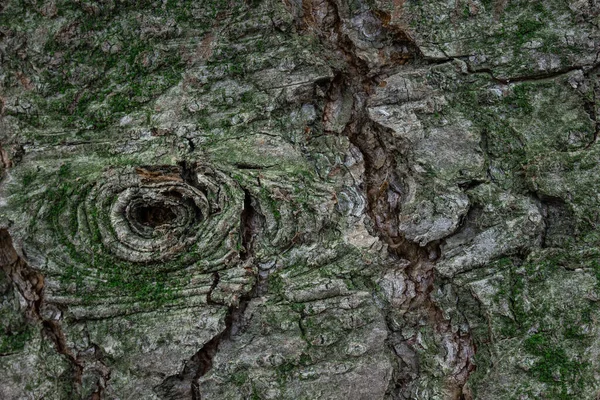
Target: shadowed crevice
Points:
(30, 285)
(185, 385)
(382, 152)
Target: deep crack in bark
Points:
(381, 179)
(185, 385)
(30, 285)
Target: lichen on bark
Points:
(299, 199)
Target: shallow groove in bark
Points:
(530, 78)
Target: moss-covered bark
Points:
(299, 199)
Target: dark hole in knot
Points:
(154, 216)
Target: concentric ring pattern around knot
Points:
(137, 233)
(153, 214)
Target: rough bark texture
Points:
(299, 199)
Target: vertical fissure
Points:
(30, 285)
(186, 385)
(377, 145)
